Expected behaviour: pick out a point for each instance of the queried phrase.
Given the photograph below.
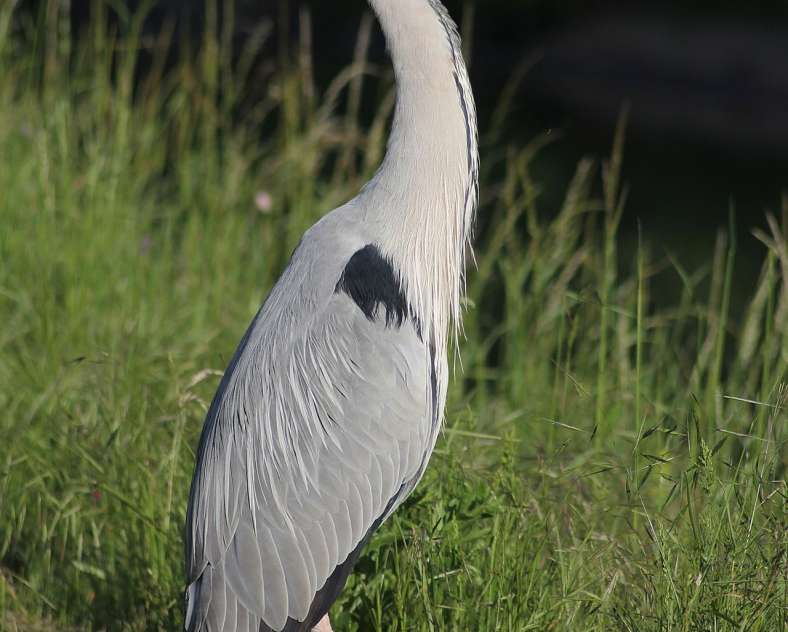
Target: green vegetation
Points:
(610, 462)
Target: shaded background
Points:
(706, 83)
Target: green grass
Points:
(610, 462)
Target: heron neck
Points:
(424, 194)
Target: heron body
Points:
(330, 408)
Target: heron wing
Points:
(311, 441)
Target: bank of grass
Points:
(610, 462)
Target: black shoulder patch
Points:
(369, 280)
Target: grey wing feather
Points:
(311, 441)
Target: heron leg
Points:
(324, 625)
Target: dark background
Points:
(706, 82)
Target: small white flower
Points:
(263, 201)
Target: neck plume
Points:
(424, 196)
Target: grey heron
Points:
(329, 410)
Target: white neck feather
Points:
(423, 198)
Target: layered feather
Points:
(313, 438)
